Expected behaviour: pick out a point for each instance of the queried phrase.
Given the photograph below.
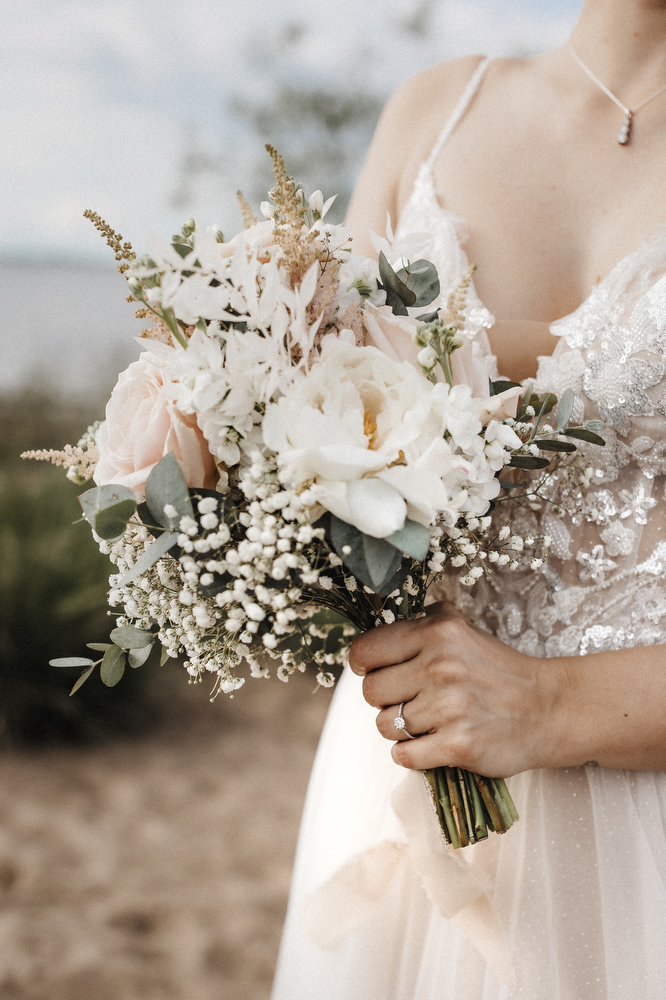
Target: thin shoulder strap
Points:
(461, 107)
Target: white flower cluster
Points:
(377, 443)
(254, 328)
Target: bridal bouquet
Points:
(264, 459)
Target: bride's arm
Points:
(484, 706)
(407, 130)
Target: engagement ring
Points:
(399, 722)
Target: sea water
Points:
(65, 329)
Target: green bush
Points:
(53, 584)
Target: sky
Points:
(102, 102)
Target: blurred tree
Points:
(322, 134)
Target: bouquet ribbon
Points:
(453, 886)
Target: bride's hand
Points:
(473, 701)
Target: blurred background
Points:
(146, 835)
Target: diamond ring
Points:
(399, 722)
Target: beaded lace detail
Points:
(604, 586)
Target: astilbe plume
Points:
(123, 252)
(292, 233)
(249, 218)
(456, 303)
(83, 459)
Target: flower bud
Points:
(427, 358)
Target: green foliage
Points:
(53, 585)
(415, 285)
(379, 563)
(108, 509)
(166, 485)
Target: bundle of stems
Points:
(469, 806)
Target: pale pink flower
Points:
(390, 334)
(143, 424)
(469, 366)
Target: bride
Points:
(556, 166)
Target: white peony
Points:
(367, 434)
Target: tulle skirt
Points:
(574, 895)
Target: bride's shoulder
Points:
(408, 128)
(415, 115)
(424, 101)
(409, 125)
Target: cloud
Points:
(99, 98)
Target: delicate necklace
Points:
(625, 132)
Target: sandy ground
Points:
(158, 868)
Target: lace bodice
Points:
(604, 585)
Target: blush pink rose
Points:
(143, 425)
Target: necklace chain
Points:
(625, 132)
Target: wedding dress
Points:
(571, 902)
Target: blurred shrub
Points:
(53, 584)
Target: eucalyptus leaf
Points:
(381, 558)
(501, 385)
(398, 295)
(100, 647)
(584, 435)
(428, 317)
(384, 558)
(129, 637)
(72, 661)
(113, 666)
(529, 462)
(595, 425)
(164, 656)
(547, 402)
(137, 657)
(508, 486)
(166, 485)
(182, 248)
(422, 279)
(159, 548)
(548, 445)
(108, 509)
(565, 408)
(395, 581)
(413, 540)
(82, 679)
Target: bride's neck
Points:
(624, 42)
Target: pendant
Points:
(625, 132)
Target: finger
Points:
(420, 754)
(386, 723)
(385, 645)
(390, 685)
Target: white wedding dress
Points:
(571, 903)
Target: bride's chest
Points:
(545, 226)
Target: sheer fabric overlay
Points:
(575, 893)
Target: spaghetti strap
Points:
(461, 107)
